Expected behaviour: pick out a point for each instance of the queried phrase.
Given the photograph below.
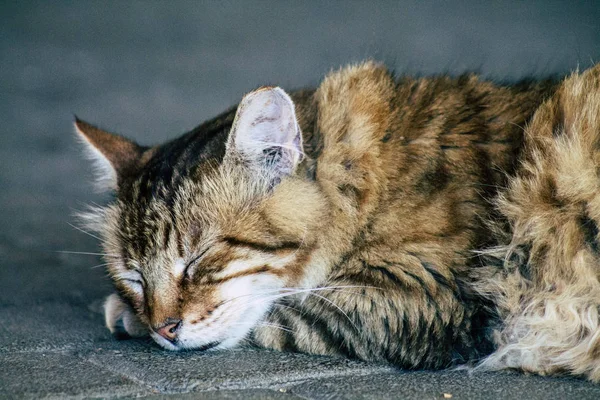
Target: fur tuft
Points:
(93, 218)
(104, 173)
(547, 291)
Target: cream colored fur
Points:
(548, 293)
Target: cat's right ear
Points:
(114, 156)
(265, 136)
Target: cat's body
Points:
(344, 223)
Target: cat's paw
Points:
(121, 319)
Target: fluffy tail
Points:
(545, 282)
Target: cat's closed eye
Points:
(190, 268)
(136, 282)
(133, 281)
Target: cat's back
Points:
(408, 167)
(429, 152)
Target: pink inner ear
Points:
(266, 131)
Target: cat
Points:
(359, 219)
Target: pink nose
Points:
(169, 330)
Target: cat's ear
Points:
(114, 156)
(265, 135)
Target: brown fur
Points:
(406, 168)
(372, 235)
(548, 291)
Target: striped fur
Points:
(360, 239)
(544, 280)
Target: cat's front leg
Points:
(382, 311)
(121, 320)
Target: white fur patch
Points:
(93, 218)
(179, 267)
(106, 175)
(247, 300)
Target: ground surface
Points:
(153, 70)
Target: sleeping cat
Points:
(342, 220)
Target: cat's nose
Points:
(169, 330)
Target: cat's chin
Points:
(165, 344)
(180, 345)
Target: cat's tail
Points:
(544, 283)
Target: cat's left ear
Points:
(265, 135)
(114, 157)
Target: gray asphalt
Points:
(152, 70)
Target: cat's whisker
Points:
(267, 324)
(338, 308)
(286, 292)
(290, 308)
(249, 295)
(277, 326)
(297, 310)
(304, 234)
(280, 294)
(101, 265)
(83, 231)
(86, 253)
(293, 290)
(521, 127)
(334, 288)
(312, 291)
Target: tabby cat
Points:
(362, 219)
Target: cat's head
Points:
(207, 231)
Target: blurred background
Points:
(152, 70)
